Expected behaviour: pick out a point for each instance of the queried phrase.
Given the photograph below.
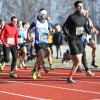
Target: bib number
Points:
(79, 30)
(10, 40)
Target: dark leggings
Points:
(58, 50)
(13, 51)
(84, 61)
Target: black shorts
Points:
(76, 47)
(23, 44)
(39, 46)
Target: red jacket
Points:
(9, 35)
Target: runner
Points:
(41, 27)
(22, 43)
(91, 38)
(2, 64)
(74, 27)
(9, 37)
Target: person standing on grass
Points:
(74, 27)
(58, 40)
(9, 38)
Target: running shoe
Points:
(44, 67)
(52, 67)
(24, 65)
(2, 65)
(38, 74)
(65, 57)
(16, 68)
(93, 64)
(79, 69)
(34, 76)
(12, 75)
(20, 65)
(46, 70)
(89, 73)
(70, 81)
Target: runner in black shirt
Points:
(74, 27)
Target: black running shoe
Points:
(79, 69)
(93, 64)
(70, 81)
(44, 68)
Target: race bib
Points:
(20, 40)
(79, 30)
(43, 37)
(10, 40)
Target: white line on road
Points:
(25, 96)
(55, 87)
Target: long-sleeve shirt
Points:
(9, 35)
(74, 22)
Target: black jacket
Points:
(58, 38)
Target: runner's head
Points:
(43, 14)
(79, 6)
(14, 20)
(19, 23)
(2, 23)
(86, 13)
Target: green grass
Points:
(57, 63)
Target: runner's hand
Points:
(6, 45)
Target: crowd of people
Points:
(20, 38)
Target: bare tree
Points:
(57, 9)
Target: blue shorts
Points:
(23, 44)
